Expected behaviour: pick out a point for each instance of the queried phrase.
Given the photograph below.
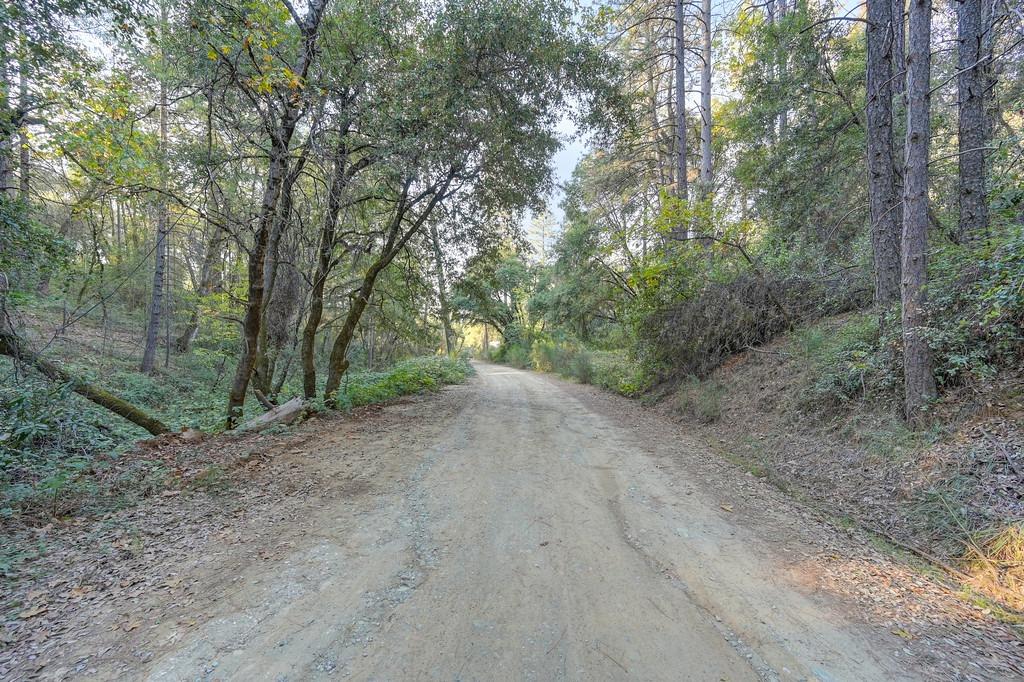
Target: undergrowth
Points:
(61, 455)
(417, 375)
(611, 370)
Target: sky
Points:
(564, 162)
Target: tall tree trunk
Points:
(213, 244)
(772, 68)
(783, 75)
(919, 375)
(207, 283)
(324, 263)
(682, 179)
(162, 227)
(263, 368)
(7, 116)
(656, 138)
(24, 159)
(705, 101)
(882, 188)
(442, 292)
(280, 139)
(973, 66)
(898, 11)
(257, 261)
(338, 363)
(6, 122)
(396, 241)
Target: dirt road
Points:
(521, 536)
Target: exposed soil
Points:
(518, 527)
(855, 461)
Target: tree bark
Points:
(783, 75)
(12, 345)
(325, 261)
(263, 368)
(339, 363)
(207, 283)
(213, 244)
(919, 375)
(281, 137)
(162, 226)
(884, 201)
(7, 120)
(973, 130)
(705, 101)
(24, 159)
(682, 179)
(898, 11)
(257, 261)
(442, 292)
(396, 241)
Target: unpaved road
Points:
(515, 528)
(531, 538)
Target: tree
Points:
(284, 105)
(883, 198)
(494, 291)
(456, 132)
(163, 223)
(682, 178)
(918, 365)
(38, 40)
(973, 64)
(705, 100)
(444, 307)
(342, 175)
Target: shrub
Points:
(546, 356)
(48, 440)
(617, 372)
(695, 335)
(516, 354)
(701, 400)
(977, 308)
(846, 362)
(581, 366)
(418, 375)
(560, 358)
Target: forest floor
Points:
(516, 527)
(952, 493)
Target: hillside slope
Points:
(952, 494)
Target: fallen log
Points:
(12, 345)
(285, 413)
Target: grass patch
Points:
(613, 371)
(419, 375)
(701, 400)
(62, 456)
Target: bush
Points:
(612, 370)
(976, 308)
(975, 323)
(48, 440)
(701, 400)
(581, 366)
(418, 375)
(515, 354)
(847, 362)
(693, 336)
(616, 371)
